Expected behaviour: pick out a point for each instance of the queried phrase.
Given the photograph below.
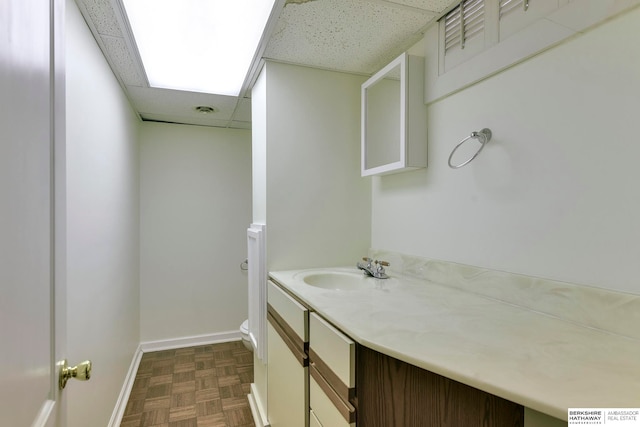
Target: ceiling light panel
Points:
(198, 45)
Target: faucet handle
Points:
(383, 263)
(366, 266)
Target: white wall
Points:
(555, 193)
(259, 195)
(195, 207)
(318, 206)
(307, 184)
(259, 149)
(102, 227)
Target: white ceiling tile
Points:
(120, 58)
(103, 17)
(436, 6)
(200, 121)
(346, 35)
(240, 125)
(181, 103)
(243, 111)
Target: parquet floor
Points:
(203, 386)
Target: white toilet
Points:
(244, 332)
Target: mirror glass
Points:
(383, 120)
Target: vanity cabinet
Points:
(311, 366)
(395, 393)
(319, 377)
(287, 368)
(332, 383)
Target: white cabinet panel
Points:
(291, 311)
(394, 118)
(313, 420)
(287, 385)
(287, 370)
(335, 349)
(324, 409)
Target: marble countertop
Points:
(535, 359)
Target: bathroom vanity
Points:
(314, 382)
(444, 351)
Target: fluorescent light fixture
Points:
(198, 45)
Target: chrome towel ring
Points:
(483, 136)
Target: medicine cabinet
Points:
(394, 118)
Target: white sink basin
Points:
(337, 280)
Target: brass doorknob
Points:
(81, 372)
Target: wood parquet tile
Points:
(204, 386)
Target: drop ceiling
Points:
(354, 36)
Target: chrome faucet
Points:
(373, 268)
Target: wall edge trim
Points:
(191, 341)
(258, 416)
(125, 392)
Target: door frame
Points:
(54, 410)
(59, 205)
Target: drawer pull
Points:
(346, 409)
(347, 394)
(295, 344)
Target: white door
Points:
(31, 300)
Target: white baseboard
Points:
(125, 392)
(259, 416)
(46, 415)
(172, 343)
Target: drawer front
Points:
(313, 420)
(330, 348)
(287, 388)
(294, 314)
(329, 412)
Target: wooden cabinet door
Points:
(392, 393)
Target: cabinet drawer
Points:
(313, 420)
(333, 350)
(332, 412)
(292, 316)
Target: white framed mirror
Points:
(394, 131)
